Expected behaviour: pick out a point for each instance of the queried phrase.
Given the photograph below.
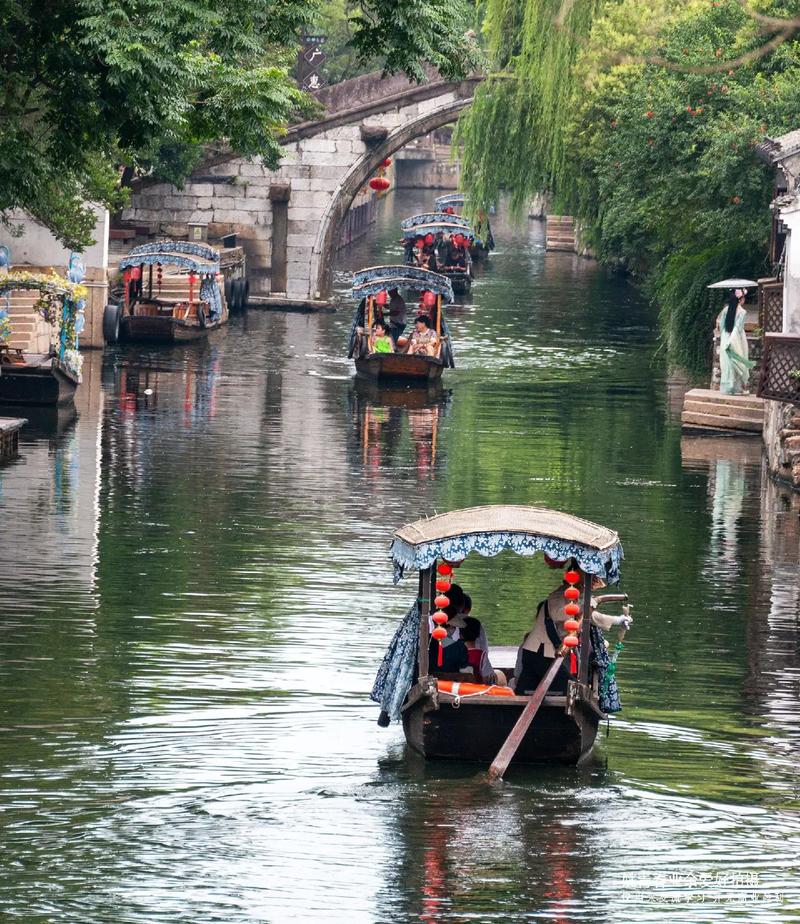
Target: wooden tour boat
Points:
(483, 242)
(435, 228)
(34, 377)
(452, 716)
(172, 294)
(370, 286)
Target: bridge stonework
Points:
(287, 219)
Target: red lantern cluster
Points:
(449, 210)
(458, 240)
(387, 162)
(429, 300)
(382, 297)
(441, 601)
(572, 609)
(159, 276)
(379, 183)
(429, 239)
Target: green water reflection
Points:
(197, 595)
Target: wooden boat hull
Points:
(154, 329)
(475, 730)
(47, 384)
(399, 366)
(461, 282)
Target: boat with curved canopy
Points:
(448, 716)
(484, 241)
(370, 288)
(172, 293)
(50, 378)
(437, 231)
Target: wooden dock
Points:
(560, 233)
(708, 411)
(9, 437)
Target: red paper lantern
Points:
(429, 238)
(442, 585)
(458, 240)
(444, 568)
(419, 241)
(441, 602)
(387, 162)
(440, 617)
(382, 297)
(572, 593)
(449, 210)
(572, 609)
(572, 625)
(379, 183)
(440, 632)
(136, 272)
(429, 300)
(572, 577)
(571, 641)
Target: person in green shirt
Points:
(379, 340)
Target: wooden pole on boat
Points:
(586, 617)
(368, 325)
(424, 598)
(438, 318)
(506, 753)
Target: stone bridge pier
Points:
(287, 219)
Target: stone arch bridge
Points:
(287, 219)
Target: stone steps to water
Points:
(560, 232)
(705, 410)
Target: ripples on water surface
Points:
(196, 596)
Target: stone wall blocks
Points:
(296, 213)
(223, 202)
(318, 144)
(318, 159)
(201, 189)
(232, 216)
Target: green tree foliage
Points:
(649, 137)
(89, 86)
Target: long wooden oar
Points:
(517, 733)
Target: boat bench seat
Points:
(457, 676)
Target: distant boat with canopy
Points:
(483, 242)
(371, 287)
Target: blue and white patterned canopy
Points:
(376, 279)
(494, 529)
(439, 227)
(189, 255)
(426, 218)
(454, 199)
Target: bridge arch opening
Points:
(357, 176)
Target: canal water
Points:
(196, 595)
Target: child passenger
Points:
(380, 341)
(474, 638)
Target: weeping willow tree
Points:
(514, 135)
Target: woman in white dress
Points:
(734, 362)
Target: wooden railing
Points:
(780, 368)
(770, 305)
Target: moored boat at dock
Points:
(171, 294)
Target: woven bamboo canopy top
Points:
(492, 529)
(509, 518)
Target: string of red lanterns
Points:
(572, 624)
(441, 602)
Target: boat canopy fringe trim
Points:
(439, 227)
(396, 673)
(426, 218)
(441, 202)
(193, 248)
(166, 258)
(602, 562)
(376, 279)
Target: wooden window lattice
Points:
(781, 359)
(770, 305)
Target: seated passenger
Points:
(454, 651)
(379, 340)
(474, 637)
(423, 339)
(541, 645)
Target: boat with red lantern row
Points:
(371, 287)
(172, 293)
(448, 715)
(443, 241)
